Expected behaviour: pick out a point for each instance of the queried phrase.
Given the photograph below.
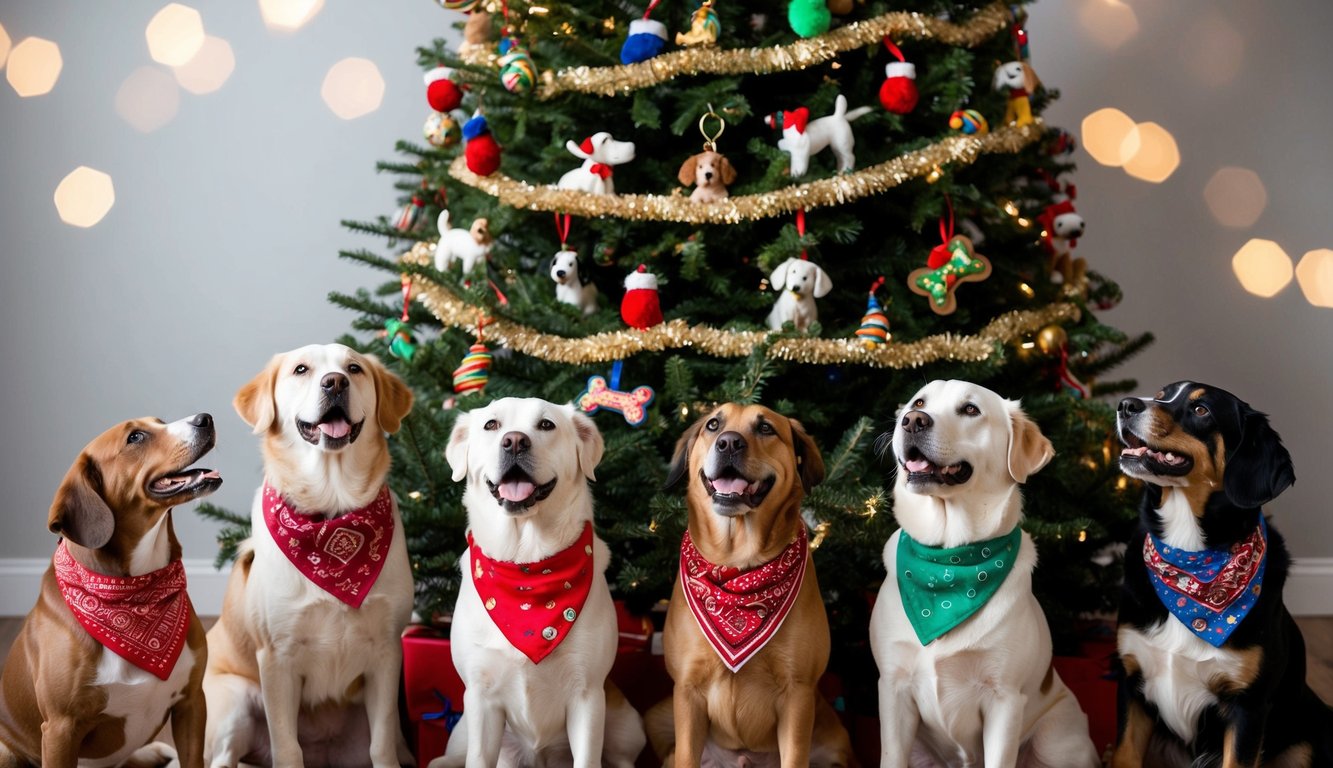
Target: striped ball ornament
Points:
(475, 370)
(518, 73)
(874, 328)
(466, 6)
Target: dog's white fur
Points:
(605, 150)
(571, 286)
(973, 696)
(512, 708)
(798, 282)
(310, 647)
(1015, 74)
(833, 130)
(471, 245)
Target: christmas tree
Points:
(944, 238)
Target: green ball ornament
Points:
(809, 18)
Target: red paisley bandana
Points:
(142, 618)
(342, 556)
(740, 611)
(534, 605)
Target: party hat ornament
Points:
(874, 328)
(898, 92)
(472, 374)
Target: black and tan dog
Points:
(1213, 664)
(746, 636)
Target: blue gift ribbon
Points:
(446, 713)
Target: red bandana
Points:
(798, 118)
(142, 618)
(342, 556)
(740, 611)
(534, 605)
(600, 169)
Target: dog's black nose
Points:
(1132, 405)
(201, 420)
(730, 442)
(515, 443)
(560, 273)
(333, 384)
(917, 421)
(708, 175)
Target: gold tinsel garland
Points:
(957, 151)
(678, 334)
(609, 81)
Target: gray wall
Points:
(221, 246)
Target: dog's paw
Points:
(155, 755)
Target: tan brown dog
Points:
(710, 173)
(68, 698)
(747, 697)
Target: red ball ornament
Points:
(898, 93)
(442, 92)
(482, 153)
(641, 308)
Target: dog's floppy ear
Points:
(680, 462)
(79, 513)
(823, 283)
(575, 149)
(1029, 449)
(1030, 81)
(456, 451)
(779, 277)
(1260, 468)
(591, 445)
(393, 398)
(254, 402)
(727, 169)
(686, 173)
(809, 461)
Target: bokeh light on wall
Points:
(148, 99)
(1315, 276)
(1157, 157)
(1262, 267)
(1110, 136)
(352, 88)
(84, 197)
(288, 15)
(1110, 23)
(4, 45)
(1216, 50)
(209, 68)
(34, 66)
(175, 34)
(1236, 197)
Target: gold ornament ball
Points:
(1051, 339)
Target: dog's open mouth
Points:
(1140, 458)
(730, 487)
(189, 482)
(334, 427)
(920, 469)
(517, 491)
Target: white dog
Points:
(571, 285)
(468, 245)
(799, 282)
(802, 137)
(304, 662)
(537, 692)
(980, 691)
(600, 153)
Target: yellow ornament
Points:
(1051, 339)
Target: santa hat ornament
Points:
(641, 308)
(898, 93)
(874, 328)
(481, 151)
(647, 38)
(442, 92)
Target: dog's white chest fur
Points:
(140, 697)
(1177, 668)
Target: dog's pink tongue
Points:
(516, 490)
(728, 485)
(917, 465)
(335, 429)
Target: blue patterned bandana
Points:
(1210, 591)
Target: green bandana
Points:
(942, 588)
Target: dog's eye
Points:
(970, 410)
(136, 436)
(920, 403)
(1200, 410)
(546, 425)
(765, 428)
(300, 369)
(491, 425)
(713, 425)
(353, 368)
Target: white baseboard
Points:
(1309, 586)
(21, 580)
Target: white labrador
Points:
(983, 693)
(527, 463)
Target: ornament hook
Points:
(710, 141)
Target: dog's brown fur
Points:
(695, 172)
(771, 704)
